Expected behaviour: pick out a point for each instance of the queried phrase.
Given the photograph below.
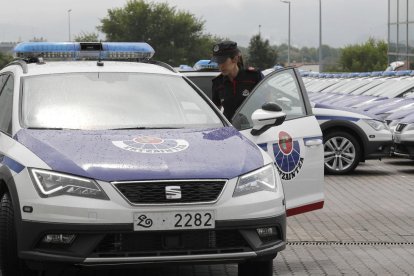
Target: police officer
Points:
(235, 83)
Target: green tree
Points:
(4, 59)
(370, 56)
(87, 37)
(177, 36)
(261, 55)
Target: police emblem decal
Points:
(245, 93)
(152, 145)
(172, 192)
(287, 156)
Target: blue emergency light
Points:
(84, 50)
(364, 74)
(184, 67)
(376, 73)
(388, 73)
(205, 64)
(404, 73)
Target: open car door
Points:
(295, 145)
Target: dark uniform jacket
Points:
(231, 94)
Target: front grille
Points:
(171, 243)
(155, 192)
(400, 127)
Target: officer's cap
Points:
(224, 50)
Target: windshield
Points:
(91, 101)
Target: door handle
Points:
(313, 142)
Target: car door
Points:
(295, 145)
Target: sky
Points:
(344, 22)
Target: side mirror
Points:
(268, 116)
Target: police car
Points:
(404, 137)
(351, 137)
(110, 163)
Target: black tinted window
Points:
(204, 83)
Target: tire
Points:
(256, 268)
(10, 264)
(342, 152)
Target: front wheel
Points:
(10, 264)
(342, 152)
(256, 268)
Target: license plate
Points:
(149, 221)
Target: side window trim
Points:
(304, 93)
(9, 78)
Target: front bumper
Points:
(117, 244)
(404, 149)
(378, 149)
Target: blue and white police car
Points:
(351, 137)
(108, 162)
(404, 137)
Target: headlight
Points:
(377, 125)
(50, 184)
(263, 179)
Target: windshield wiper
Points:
(47, 128)
(128, 128)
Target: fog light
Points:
(59, 238)
(267, 232)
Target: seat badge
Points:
(172, 192)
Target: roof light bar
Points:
(84, 50)
(403, 73)
(184, 67)
(388, 73)
(205, 64)
(376, 73)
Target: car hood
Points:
(323, 111)
(120, 155)
(409, 119)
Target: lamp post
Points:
(69, 23)
(320, 36)
(288, 2)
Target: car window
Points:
(3, 79)
(403, 86)
(6, 104)
(113, 100)
(204, 83)
(281, 88)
